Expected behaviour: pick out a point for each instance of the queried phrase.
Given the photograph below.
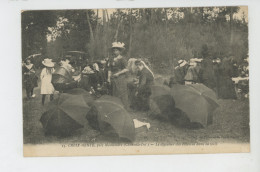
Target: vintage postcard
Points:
(135, 81)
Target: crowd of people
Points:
(217, 74)
(129, 80)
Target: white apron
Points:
(46, 85)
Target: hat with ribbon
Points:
(118, 45)
(48, 62)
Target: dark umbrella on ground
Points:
(197, 101)
(108, 115)
(161, 101)
(66, 113)
(205, 91)
(162, 105)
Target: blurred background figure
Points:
(89, 79)
(207, 73)
(99, 68)
(179, 73)
(216, 69)
(226, 88)
(244, 68)
(242, 81)
(193, 73)
(30, 79)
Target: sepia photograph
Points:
(131, 81)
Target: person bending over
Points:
(143, 91)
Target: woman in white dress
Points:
(46, 76)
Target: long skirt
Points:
(226, 89)
(29, 83)
(119, 89)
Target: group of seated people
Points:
(66, 76)
(94, 79)
(216, 74)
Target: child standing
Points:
(30, 79)
(46, 76)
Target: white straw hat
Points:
(197, 60)
(48, 62)
(119, 45)
(182, 63)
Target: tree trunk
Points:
(91, 47)
(107, 16)
(97, 27)
(131, 35)
(117, 30)
(90, 28)
(231, 26)
(170, 56)
(166, 22)
(105, 32)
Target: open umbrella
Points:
(36, 59)
(62, 80)
(196, 100)
(162, 104)
(66, 113)
(108, 115)
(161, 101)
(205, 91)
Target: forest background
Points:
(161, 35)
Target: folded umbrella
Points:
(108, 115)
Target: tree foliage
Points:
(163, 35)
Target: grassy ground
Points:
(230, 124)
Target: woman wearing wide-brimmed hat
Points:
(117, 69)
(46, 76)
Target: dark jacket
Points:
(146, 79)
(29, 77)
(180, 73)
(208, 77)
